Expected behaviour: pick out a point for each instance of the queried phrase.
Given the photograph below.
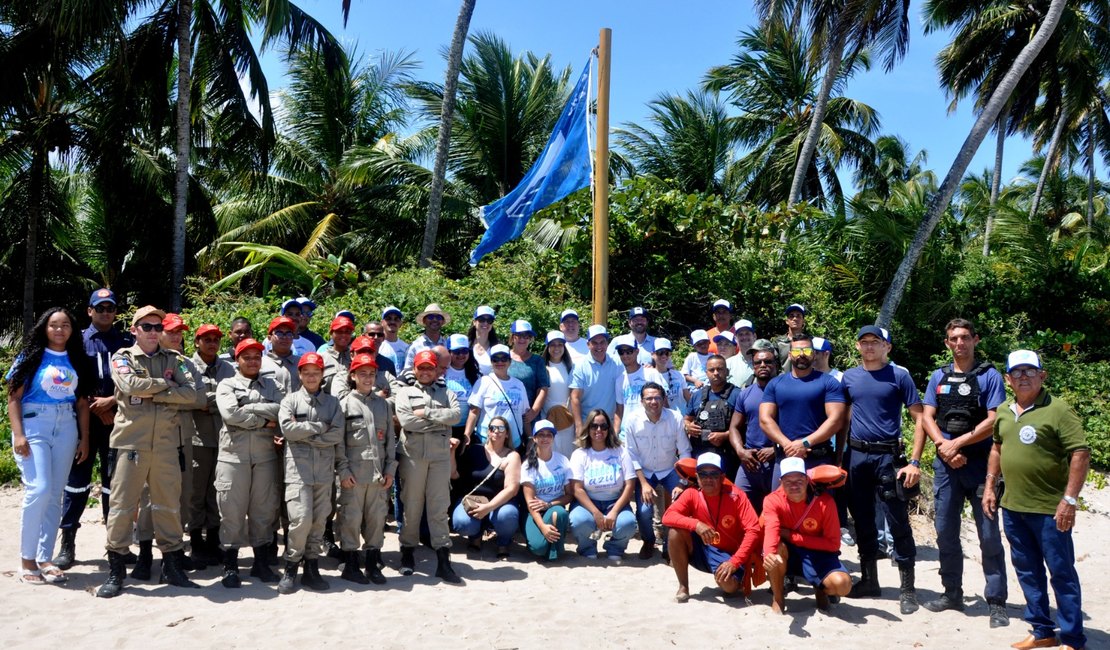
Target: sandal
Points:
(502, 554)
(31, 577)
(52, 574)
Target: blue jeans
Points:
(505, 521)
(952, 487)
(582, 524)
(645, 511)
(51, 431)
(865, 470)
(1034, 544)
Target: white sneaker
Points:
(846, 537)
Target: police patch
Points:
(121, 366)
(1028, 435)
(943, 389)
(964, 389)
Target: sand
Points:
(519, 603)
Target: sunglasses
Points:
(710, 475)
(376, 335)
(600, 426)
(484, 319)
(663, 353)
(151, 327)
(105, 308)
(763, 362)
(461, 351)
(499, 359)
(498, 427)
(624, 351)
(1024, 372)
(799, 352)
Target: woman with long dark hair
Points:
(545, 481)
(604, 483)
(48, 405)
(559, 367)
(482, 337)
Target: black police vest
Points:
(716, 412)
(958, 407)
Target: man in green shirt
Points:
(1041, 448)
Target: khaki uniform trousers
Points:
(308, 507)
(204, 508)
(144, 525)
(247, 496)
(425, 469)
(362, 509)
(133, 470)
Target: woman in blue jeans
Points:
(545, 481)
(48, 388)
(604, 482)
(492, 471)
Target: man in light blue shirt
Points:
(593, 382)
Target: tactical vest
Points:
(958, 407)
(716, 412)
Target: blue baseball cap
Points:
(484, 310)
(304, 302)
(873, 330)
(102, 295)
(821, 344)
(637, 311)
(391, 310)
(795, 307)
(521, 326)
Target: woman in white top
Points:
(604, 482)
(559, 366)
(497, 394)
(545, 480)
(482, 337)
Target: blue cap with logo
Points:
(102, 295)
(637, 311)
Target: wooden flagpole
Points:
(601, 183)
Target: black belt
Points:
(890, 447)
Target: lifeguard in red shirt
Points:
(801, 538)
(712, 528)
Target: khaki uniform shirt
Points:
(336, 367)
(283, 370)
(147, 416)
(208, 422)
(312, 426)
(441, 408)
(245, 405)
(367, 452)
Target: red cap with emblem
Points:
(342, 322)
(174, 323)
(280, 321)
(248, 344)
(363, 343)
(363, 361)
(311, 359)
(207, 329)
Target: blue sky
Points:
(660, 46)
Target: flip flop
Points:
(52, 574)
(31, 577)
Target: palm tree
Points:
(987, 117)
(774, 83)
(443, 141)
(690, 142)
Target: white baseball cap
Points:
(596, 330)
(555, 335)
(1022, 358)
(663, 344)
(744, 324)
(697, 336)
(709, 459)
(792, 465)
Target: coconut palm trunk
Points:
(996, 179)
(1092, 134)
(1049, 160)
(443, 143)
(39, 170)
(182, 147)
(817, 119)
(979, 130)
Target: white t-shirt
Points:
(629, 386)
(558, 393)
(602, 473)
(549, 477)
(394, 351)
(738, 370)
(458, 384)
(694, 366)
(485, 365)
(494, 397)
(577, 349)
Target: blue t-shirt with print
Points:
(55, 381)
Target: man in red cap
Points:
(280, 362)
(248, 465)
(426, 410)
(205, 512)
(312, 424)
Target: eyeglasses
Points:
(376, 335)
(283, 334)
(600, 426)
(800, 352)
(1017, 373)
(498, 427)
(763, 362)
(500, 359)
(105, 308)
(151, 327)
(710, 475)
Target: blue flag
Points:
(562, 168)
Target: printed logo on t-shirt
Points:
(809, 525)
(58, 382)
(1028, 435)
(602, 474)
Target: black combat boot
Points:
(374, 566)
(907, 594)
(145, 561)
(261, 567)
(408, 560)
(950, 599)
(350, 569)
(331, 549)
(231, 569)
(288, 582)
(172, 573)
(199, 558)
(68, 553)
(117, 570)
(443, 566)
(212, 548)
(312, 578)
(868, 585)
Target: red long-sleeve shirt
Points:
(820, 531)
(730, 514)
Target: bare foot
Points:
(682, 595)
(778, 607)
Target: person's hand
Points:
(1065, 515)
(718, 438)
(550, 533)
(748, 459)
(270, 424)
(387, 481)
(536, 504)
(481, 511)
(82, 449)
(678, 490)
(765, 455)
(347, 483)
(107, 418)
(647, 493)
(947, 450)
(102, 405)
(990, 502)
(693, 430)
(724, 571)
(454, 443)
(795, 449)
(772, 562)
(707, 533)
(610, 520)
(278, 442)
(909, 475)
(531, 414)
(958, 461)
(168, 376)
(20, 445)
(599, 521)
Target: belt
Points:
(889, 447)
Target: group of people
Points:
(732, 458)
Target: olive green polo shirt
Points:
(1036, 452)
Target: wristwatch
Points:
(916, 463)
(805, 442)
(1071, 501)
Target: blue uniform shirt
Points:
(801, 401)
(750, 398)
(877, 398)
(100, 346)
(992, 392)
